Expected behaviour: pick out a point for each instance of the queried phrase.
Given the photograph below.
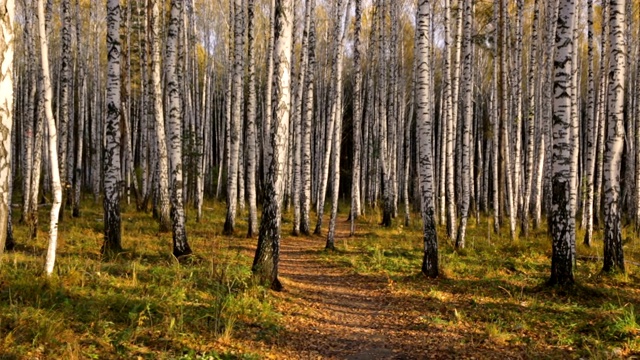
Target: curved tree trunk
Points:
(53, 142)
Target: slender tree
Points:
(563, 237)
(424, 119)
(56, 186)
(112, 166)
(173, 72)
(265, 262)
(307, 117)
(164, 209)
(7, 16)
(467, 115)
(357, 118)
(236, 121)
(251, 122)
(613, 254)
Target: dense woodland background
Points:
(517, 116)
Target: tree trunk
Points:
(236, 121)
(7, 16)
(613, 254)
(562, 257)
(251, 125)
(305, 175)
(265, 262)
(467, 115)
(174, 72)
(112, 166)
(158, 106)
(424, 118)
(53, 143)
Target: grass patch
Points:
(493, 291)
(142, 303)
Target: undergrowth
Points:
(145, 304)
(494, 289)
(141, 304)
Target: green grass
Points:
(143, 303)
(495, 288)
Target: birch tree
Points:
(251, 122)
(164, 214)
(560, 222)
(613, 253)
(265, 262)
(357, 117)
(424, 119)
(56, 186)
(112, 166)
(467, 116)
(307, 117)
(7, 16)
(337, 141)
(592, 131)
(173, 72)
(236, 119)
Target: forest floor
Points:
(365, 300)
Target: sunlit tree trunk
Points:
(531, 121)
(268, 93)
(236, 119)
(307, 118)
(265, 262)
(251, 123)
(562, 234)
(424, 119)
(173, 72)
(7, 16)
(451, 128)
(613, 254)
(56, 186)
(164, 207)
(592, 132)
(297, 123)
(112, 166)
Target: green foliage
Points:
(142, 303)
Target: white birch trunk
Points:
(613, 253)
(53, 143)
(563, 235)
(424, 118)
(265, 263)
(236, 118)
(7, 16)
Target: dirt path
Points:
(331, 313)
